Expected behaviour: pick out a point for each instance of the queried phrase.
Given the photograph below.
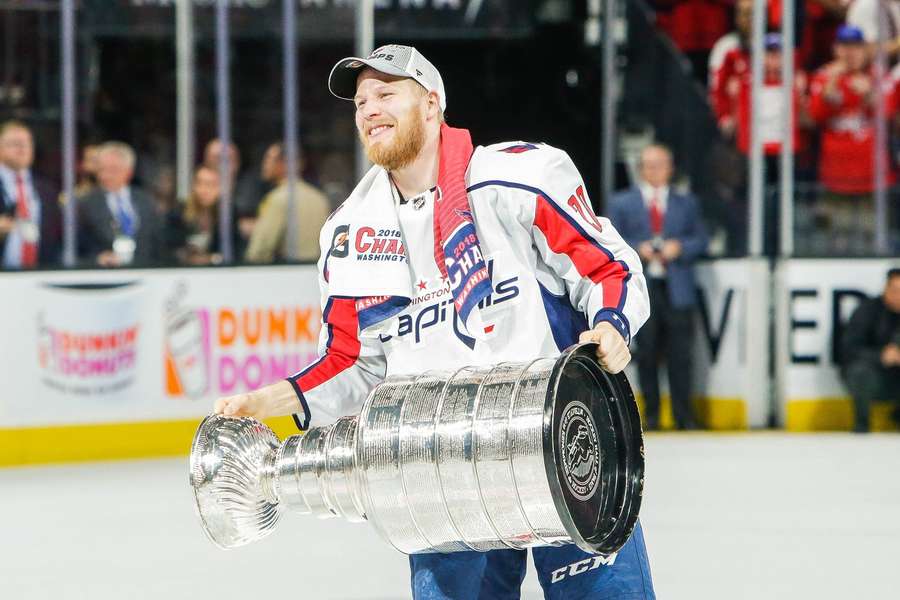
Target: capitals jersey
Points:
(556, 268)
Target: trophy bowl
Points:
(228, 459)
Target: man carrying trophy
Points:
(447, 256)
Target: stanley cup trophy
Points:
(516, 455)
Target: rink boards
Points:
(116, 364)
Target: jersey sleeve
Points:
(349, 365)
(602, 273)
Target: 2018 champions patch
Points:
(580, 451)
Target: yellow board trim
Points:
(833, 414)
(107, 441)
(718, 414)
(111, 441)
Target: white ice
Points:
(755, 516)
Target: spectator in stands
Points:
(30, 219)
(729, 62)
(668, 232)
(869, 15)
(694, 26)
(842, 103)
(739, 89)
(247, 190)
(270, 240)
(118, 223)
(193, 228)
(870, 356)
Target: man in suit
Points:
(118, 223)
(30, 219)
(667, 230)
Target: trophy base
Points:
(593, 451)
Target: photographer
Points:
(668, 232)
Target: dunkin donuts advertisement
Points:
(127, 346)
(223, 348)
(97, 353)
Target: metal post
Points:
(607, 177)
(223, 108)
(880, 142)
(67, 50)
(786, 200)
(755, 212)
(185, 69)
(365, 43)
(291, 141)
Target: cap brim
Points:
(342, 80)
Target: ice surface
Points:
(756, 516)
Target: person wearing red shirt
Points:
(843, 103)
(739, 91)
(730, 58)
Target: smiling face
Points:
(392, 114)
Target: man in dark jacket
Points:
(30, 218)
(667, 230)
(871, 352)
(118, 223)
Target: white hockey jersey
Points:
(556, 268)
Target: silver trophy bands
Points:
(510, 456)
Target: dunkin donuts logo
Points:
(88, 337)
(87, 356)
(580, 451)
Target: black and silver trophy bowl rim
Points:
(604, 520)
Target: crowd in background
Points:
(837, 93)
(122, 224)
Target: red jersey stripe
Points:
(343, 346)
(591, 261)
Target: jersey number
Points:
(579, 202)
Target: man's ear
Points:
(434, 105)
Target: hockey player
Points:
(445, 256)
